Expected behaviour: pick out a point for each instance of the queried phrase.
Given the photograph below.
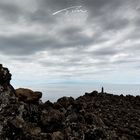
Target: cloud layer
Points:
(98, 41)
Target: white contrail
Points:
(66, 9)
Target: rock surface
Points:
(28, 95)
(94, 116)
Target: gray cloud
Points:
(24, 44)
(41, 17)
(10, 11)
(106, 39)
(106, 51)
(73, 37)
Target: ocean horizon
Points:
(55, 91)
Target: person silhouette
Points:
(102, 91)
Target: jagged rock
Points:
(28, 95)
(47, 105)
(8, 101)
(52, 120)
(5, 76)
(57, 136)
(65, 101)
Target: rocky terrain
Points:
(94, 116)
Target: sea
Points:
(54, 91)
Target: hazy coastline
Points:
(54, 91)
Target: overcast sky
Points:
(48, 41)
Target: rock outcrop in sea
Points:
(93, 116)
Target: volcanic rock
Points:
(57, 136)
(93, 116)
(28, 95)
(52, 120)
(5, 76)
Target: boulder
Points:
(28, 95)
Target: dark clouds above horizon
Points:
(98, 41)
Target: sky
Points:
(71, 41)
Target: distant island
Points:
(93, 116)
